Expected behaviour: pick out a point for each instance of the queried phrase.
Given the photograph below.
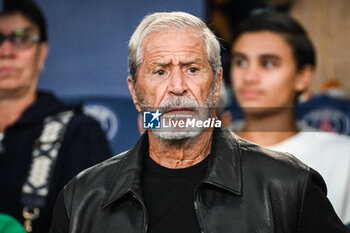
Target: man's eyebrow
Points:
(262, 56)
(184, 63)
(160, 63)
(190, 62)
(238, 55)
(270, 57)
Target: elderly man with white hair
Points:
(187, 173)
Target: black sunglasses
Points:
(21, 38)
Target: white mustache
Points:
(178, 101)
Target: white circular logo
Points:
(105, 116)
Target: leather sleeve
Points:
(60, 221)
(317, 213)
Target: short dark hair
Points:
(30, 10)
(293, 32)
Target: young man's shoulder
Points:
(270, 164)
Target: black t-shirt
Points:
(169, 196)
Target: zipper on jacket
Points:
(197, 209)
(144, 211)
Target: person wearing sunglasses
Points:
(30, 164)
(22, 38)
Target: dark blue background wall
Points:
(88, 41)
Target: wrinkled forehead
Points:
(12, 21)
(174, 39)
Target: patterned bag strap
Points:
(36, 187)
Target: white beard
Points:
(199, 114)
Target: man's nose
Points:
(177, 82)
(251, 73)
(6, 49)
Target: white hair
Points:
(171, 20)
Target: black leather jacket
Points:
(247, 189)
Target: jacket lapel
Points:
(224, 168)
(127, 176)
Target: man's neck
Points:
(180, 154)
(269, 129)
(11, 109)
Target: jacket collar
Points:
(224, 169)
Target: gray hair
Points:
(171, 20)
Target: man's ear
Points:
(43, 52)
(218, 85)
(133, 93)
(304, 78)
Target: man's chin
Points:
(12, 93)
(258, 112)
